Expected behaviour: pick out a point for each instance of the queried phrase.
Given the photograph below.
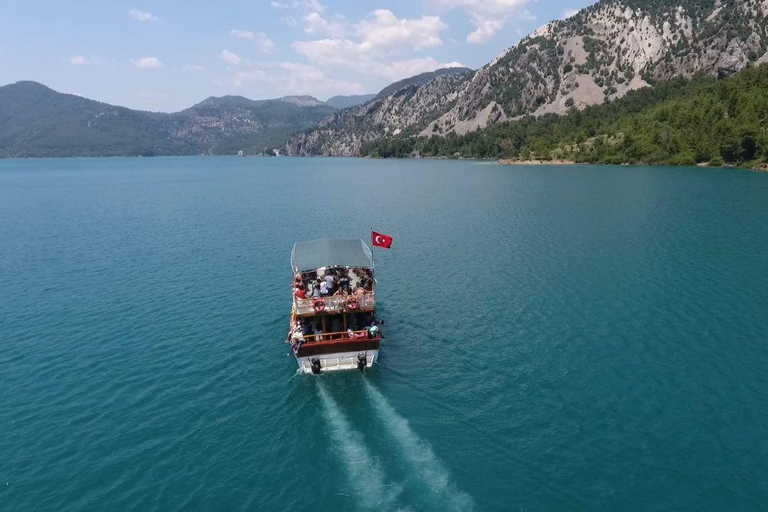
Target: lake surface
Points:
(557, 338)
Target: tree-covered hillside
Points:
(680, 122)
(36, 121)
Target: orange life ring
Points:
(352, 303)
(318, 305)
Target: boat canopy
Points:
(329, 252)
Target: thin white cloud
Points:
(344, 53)
(197, 68)
(148, 63)
(568, 13)
(487, 16)
(380, 34)
(377, 45)
(260, 39)
(382, 29)
(291, 78)
(231, 57)
(143, 16)
(299, 5)
(81, 60)
(399, 69)
(316, 25)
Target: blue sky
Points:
(166, 56)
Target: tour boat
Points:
(333, 318)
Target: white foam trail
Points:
(364, 472)
(419, 454)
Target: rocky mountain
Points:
(349, 101)
(598, 55)
(422, 78)
(407, 110)
(36, 121)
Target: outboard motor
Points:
(315, 364)
(362, 361)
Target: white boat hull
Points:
(337, 361)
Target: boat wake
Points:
(364, 472)
(418, 452)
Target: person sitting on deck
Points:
(316, 291)
(359, 291)
(373, 330)
(299, 292)
(324, 289)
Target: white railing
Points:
(334, 304)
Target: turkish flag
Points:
(379, 240)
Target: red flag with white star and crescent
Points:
(380, 240)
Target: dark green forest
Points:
(680, 122)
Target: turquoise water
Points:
(557, 338)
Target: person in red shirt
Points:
(300, 293)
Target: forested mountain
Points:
(36, 121)
(598, 55)
(683, 121)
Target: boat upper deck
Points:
(333, 290)
(331, 276)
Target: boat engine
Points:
(362, 361)
(315, 364)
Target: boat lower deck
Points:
(338, 361)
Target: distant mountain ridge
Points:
(36, 121)
(349, 101)
(597, 55)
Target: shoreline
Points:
(555, 161)
(499, 161)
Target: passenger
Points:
(355, 335)
(316, 292)
(373, 330)
(359, 291)
(317, 332)
(300, 293)
(330, 282)
(344, 282)
(324, 289)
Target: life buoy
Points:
(318, 305)
(352, 303)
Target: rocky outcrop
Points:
(598, 55)
(404, 112)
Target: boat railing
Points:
(335, 336)
(334, 304)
